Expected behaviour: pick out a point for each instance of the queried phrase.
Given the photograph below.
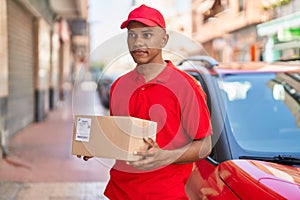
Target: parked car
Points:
(255, 114)
(104, 84)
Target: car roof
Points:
(244, 67)
(256, 67)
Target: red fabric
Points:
(146, 15)
(177, 103)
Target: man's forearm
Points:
(192, 152)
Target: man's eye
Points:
(147, 35)
(131, 35)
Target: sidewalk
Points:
(52, 191)
(39, 164)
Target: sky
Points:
(106, 16)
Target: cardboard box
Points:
(115, 137)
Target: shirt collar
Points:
(163, 77)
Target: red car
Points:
(255, 114)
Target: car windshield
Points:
(264, 110)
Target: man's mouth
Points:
(139, 52)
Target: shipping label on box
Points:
(83, 129)
(115, 137)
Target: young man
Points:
(156, 90)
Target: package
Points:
(115, 137)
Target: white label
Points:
(83, 129)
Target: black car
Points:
(104, 84)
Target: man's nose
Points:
(139, 41)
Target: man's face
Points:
(145, 43)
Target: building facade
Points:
(227, 28)
(241, 30)
(38, 51)
(282, 32)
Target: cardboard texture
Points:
(115, 137)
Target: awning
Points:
(206, 5)
(70, 9)
(287, 45)
(272, 27)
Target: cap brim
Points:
(147, 22)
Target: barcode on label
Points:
(83, 137)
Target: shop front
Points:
(282, 38)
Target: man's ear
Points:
(165, 40)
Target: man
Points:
(156, 90)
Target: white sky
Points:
(106, 16)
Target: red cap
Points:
(146, 15)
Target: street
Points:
(39, 164)
(229, 106)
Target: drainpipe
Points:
(3, 150)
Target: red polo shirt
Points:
(178, 104)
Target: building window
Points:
(241, 5)
(218, 7)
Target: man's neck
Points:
(151, 70)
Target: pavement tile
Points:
(52, 191)
(39, 164)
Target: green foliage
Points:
(97, 66)
(275, 3)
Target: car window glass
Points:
(263, 110)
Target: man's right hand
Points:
(85, 158)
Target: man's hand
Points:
(85, 158)
(156, 157)
(152, 158)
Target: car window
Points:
(263, 110)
